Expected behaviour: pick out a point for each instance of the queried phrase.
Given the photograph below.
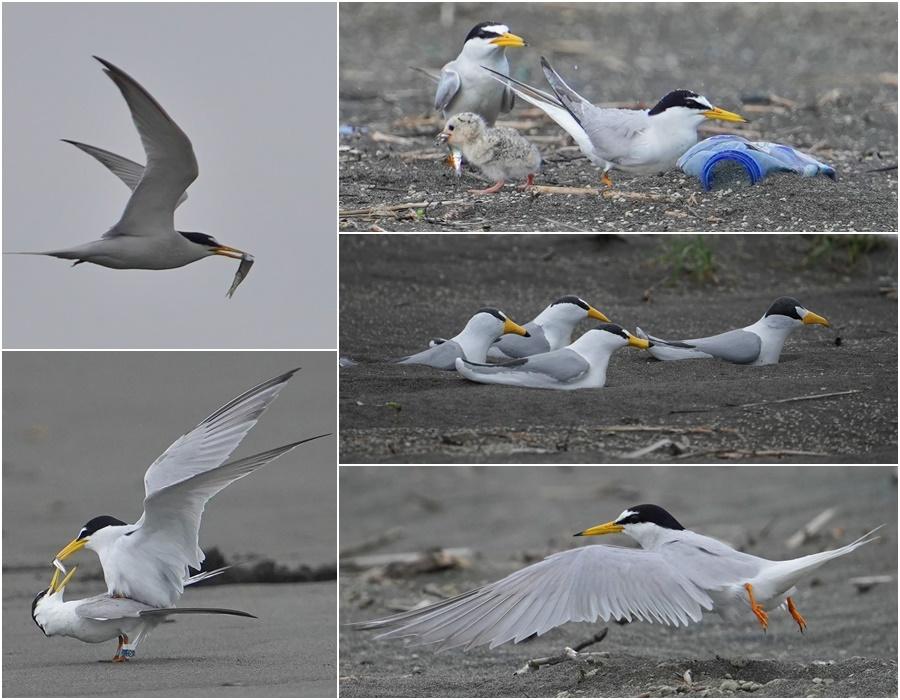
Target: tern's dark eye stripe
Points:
(199, 238)
(785, 306)
(493, 312)
(478, 31)
(571, 300)
(649, 513)
(677, 98)
(98, 523)
(613, 328)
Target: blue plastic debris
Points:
(728, 160)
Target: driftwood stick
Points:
(568, 654)
(725, 453)
(385, 209)
(811, 529)
(773, 401)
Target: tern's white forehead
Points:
(700, 99)
(496, 29)
(625, 514)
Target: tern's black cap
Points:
(98, 523)
(785, 306)
(613, 328)
(649, 513)
(570, 299)
(678, 98)
(481, 31)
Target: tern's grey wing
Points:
(105, 607)
(508, 101)
(164, 612)
(441, 356)
(612, 131)
(126, 170)
(448, 86)
(563, 365)
(171, 164)
(515, 346)
(738, 346)
(578, 585)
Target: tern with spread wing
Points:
(104, 617)
(630, 140)
(579, 365)
(757, 344)
(673, 578)
(145, 237)
(148, 561)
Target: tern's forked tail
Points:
(795, 569)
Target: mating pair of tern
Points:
(633, 141)
(146, 565)
(673, 578)
(546, 358)
(145, 237)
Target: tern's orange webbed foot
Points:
(792, 609)
(490, 190)
(606, 180)
(761, 614)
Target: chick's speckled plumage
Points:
(500, 153)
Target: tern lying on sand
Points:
(104, 617)
(581, 365)
(672, 579)
(471, 343)
(756, 344)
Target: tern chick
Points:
(499, 152)
(632, 140)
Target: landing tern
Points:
(104, 617)
(471, 343)
(499, 152)
(579, 365)
(630, 140)
(148, 561)
(673, 578)
(757, 344)
(550, 330)
(145, 237)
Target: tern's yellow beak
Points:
(599, 315)
(609, 528)
(508, 39)
(723, 115)
(811, 318)
(71, 548)
(636, 342)
(510, 326)
(229, 252)
(56, 585)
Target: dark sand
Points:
(836, 62)
(511, 515)
(79, 431)
(399, 291)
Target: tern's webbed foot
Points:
(490, 190)
(757, 609)
(606, 180)
(798, 618)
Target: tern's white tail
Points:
(794, 569)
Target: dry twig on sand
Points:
(773, 401)
(811, 529)
(568, 654)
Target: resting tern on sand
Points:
(145, 237)
(672, 579)
(757, 344)
(471, 343)
(550, 330)
(580, 365)
(632, 140)
(148, 560)
(104, 617)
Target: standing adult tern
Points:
(104, 617)
(148, 560)
(145, 237)
(757, 344)
(631, 140)
(672, 579)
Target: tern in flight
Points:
(148, 561)
(673, 578)
(145, 237)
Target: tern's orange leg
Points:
(490, 190)
(757, 608)
(528, 184)
(792, 609)
(606, 180)
(118, 658)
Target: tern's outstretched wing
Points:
(448, 86)
(578, 585)
(171, 164)
(126, 170)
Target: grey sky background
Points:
(253, 86)
(81, 428)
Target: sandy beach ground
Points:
(397, 292)
(511, 516)
(79, 431)
(821, 77)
